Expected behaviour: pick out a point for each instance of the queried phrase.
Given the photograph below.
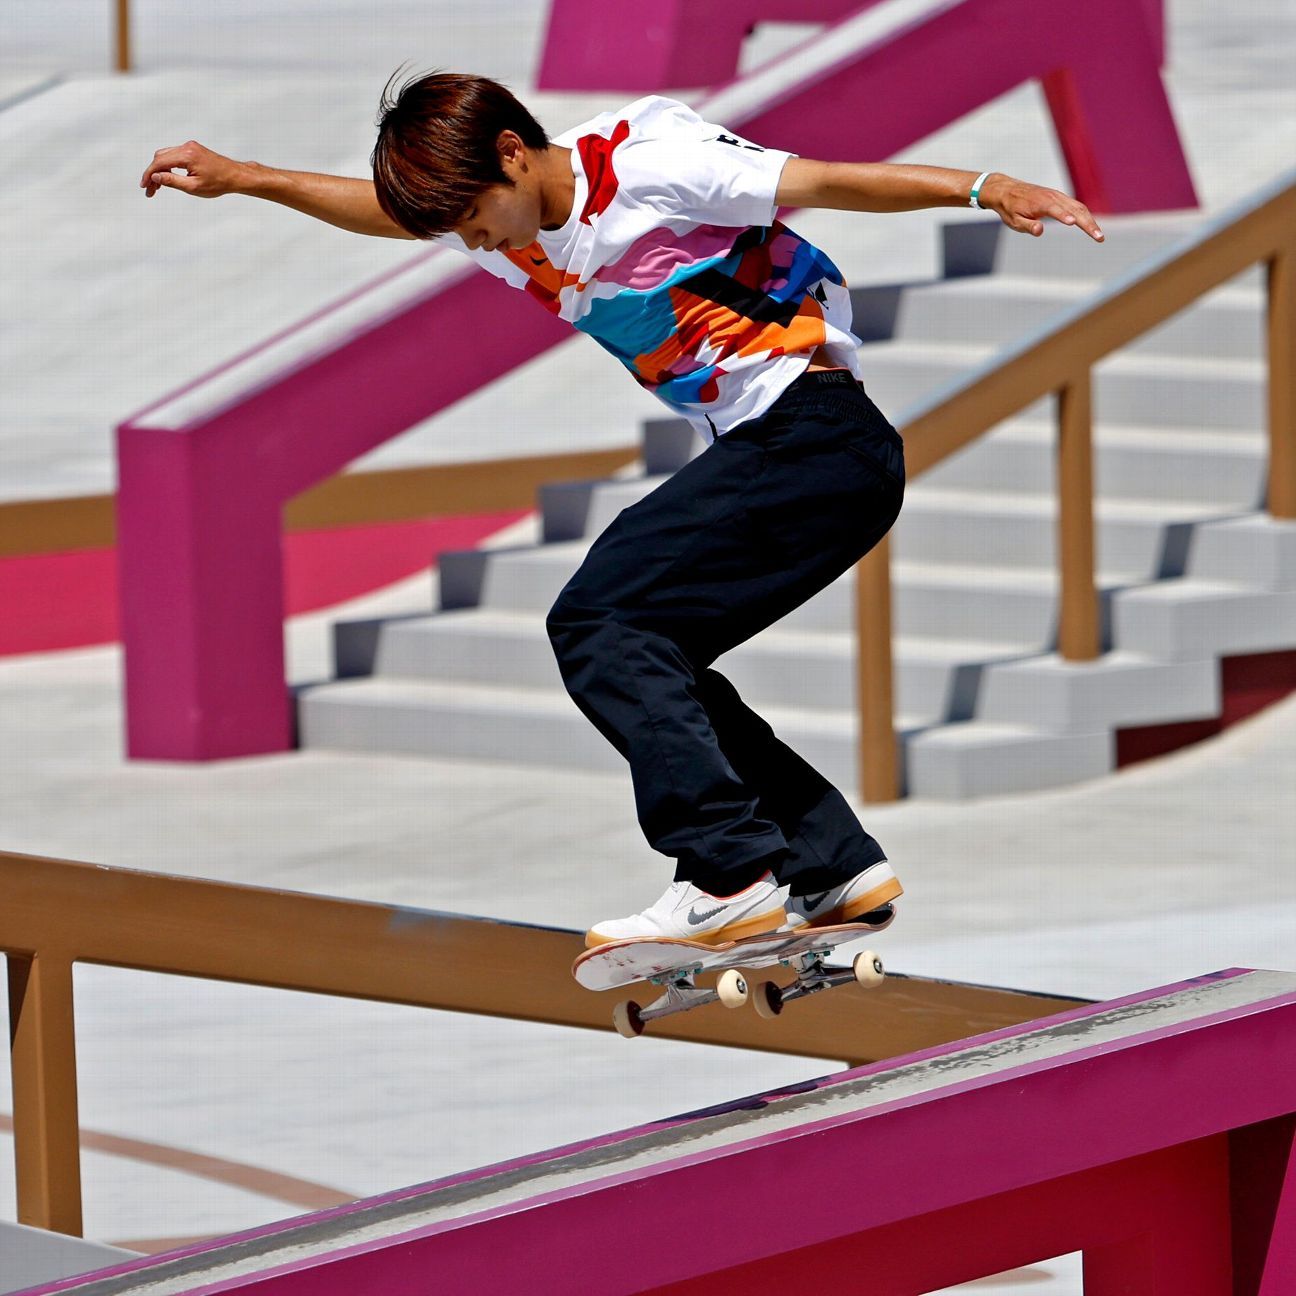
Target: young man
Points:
(656, 233)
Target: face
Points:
(501, 217)
(505, 216)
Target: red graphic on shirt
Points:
(596, 158)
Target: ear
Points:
(511, 149)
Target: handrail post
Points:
(123, 36)
(1281, 327)
(47, 1137)
(1079, 631)
(878, 768)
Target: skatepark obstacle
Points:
(57, 913)
(1154, 1133)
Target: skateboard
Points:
(675, 964)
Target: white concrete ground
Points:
(1158, 873)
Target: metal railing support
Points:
(1281, 330)
(123, 36)
(47, 1151)
(878, 758)
(1078, 623)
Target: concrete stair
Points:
(1188, 571)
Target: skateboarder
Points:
(657, 233)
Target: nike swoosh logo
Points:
(814, 901)
(694, 918)
(539, 261)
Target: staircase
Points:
(1189, 569)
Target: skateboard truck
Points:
(731, 989)
(813, 975)
(682, 993)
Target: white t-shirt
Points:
(673, 260)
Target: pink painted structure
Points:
(204, 474)
(1155, 1133)
(594, 46)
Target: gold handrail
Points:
(56, 913)
(1059, 361)
(29, 527)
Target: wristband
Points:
(975, 199)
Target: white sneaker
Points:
(850, 901)
(686, 913)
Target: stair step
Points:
(795, 668)
(999, 309)
(931, 599)
(1191, 617)
(982, 247)
(1185, 464)
(980, 758)
(1015, 530)
(528, 726)
(1068, 254)
(1149, 390)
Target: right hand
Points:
(208, 174)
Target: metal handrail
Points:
(57, 912)
(1059, 360)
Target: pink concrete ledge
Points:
(1156, 1134)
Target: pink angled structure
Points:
(889, 83)
(594, 46)
(1154, 1133)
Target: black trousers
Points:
(768, 515)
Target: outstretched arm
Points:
(888, 187)
(339, 200)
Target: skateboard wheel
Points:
(732, 988)
(769, 999)
(868, 970)
(626, 1019)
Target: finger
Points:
(175, 180)
(163, 160)
(1079, 214)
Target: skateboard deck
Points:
(674, 964)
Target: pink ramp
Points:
(1154, 1133)
(204, 474)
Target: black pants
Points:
(771, 513)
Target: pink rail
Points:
(205, 473)
(1156, 1134)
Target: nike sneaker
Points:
(857, 900)
(686, 913)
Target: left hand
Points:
(1023, 207)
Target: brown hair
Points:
(436, 148)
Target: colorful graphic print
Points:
(762, 297)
